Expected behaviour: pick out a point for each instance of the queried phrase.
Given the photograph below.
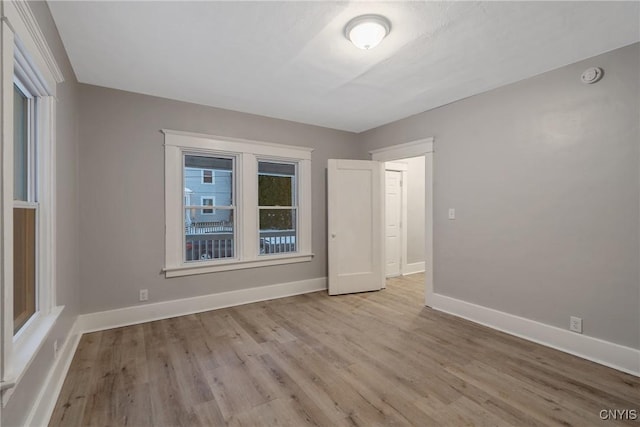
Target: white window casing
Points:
(246, 154)
(27, 58)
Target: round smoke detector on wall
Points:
(591, 75)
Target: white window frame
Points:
(246, 227)
(295, 196)
(26, 55)
(213, 177)
(213, 204)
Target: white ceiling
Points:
(290, 60)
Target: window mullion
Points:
(303, 203)
(248, 182)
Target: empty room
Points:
(314, 213)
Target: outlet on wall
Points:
(55, 349)
(575, 324)
(144, 294)
(452, 213)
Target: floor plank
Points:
(371, 359)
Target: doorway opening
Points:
(423, 151)
(404, 216)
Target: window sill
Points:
(27, 345)
(264, 261)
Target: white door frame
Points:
(402, 168)
(421, 147)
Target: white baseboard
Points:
(163, 310)
(414, 267)
(45, 402)
(606, 353)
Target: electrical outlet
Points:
(55, 349)
(575, 324)
(452, 213)
(144, 294)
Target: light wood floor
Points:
(371, 359)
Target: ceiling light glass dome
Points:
(367, 31)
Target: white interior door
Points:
(393, 222)
(356, 246)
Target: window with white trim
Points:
(25, 207)
(208, 201)
(277, 206)
(256, 211)
(27, 234)
(208, 177)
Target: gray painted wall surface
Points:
(544, 176)
(68, 254)
(415, 210)
(122, 193)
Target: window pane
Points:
(24, 266)
(210, 177)
(206, 240)
(20, 145)
(209, 222)
(276, 184)
(208, 201)
(207, 176)
(277, 230)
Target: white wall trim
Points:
(201, 140)
(403, 168)
(245, 157)
(413, 268)
(403, 151)
(422, 147)
(163, 310)
(26, 26)
(606, 353)
(45, 402)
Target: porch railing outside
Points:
(277, 241)
(215, 240)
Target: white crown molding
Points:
(25, 14)
(616, 356)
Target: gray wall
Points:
(68, 254)
(122, 195)
(415, 210)
(544, 176)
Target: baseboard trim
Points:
(413, 268)
(625, 359)
(45, 402)
(163, 310)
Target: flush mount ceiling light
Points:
(367, 31)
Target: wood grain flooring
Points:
(372, 359)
